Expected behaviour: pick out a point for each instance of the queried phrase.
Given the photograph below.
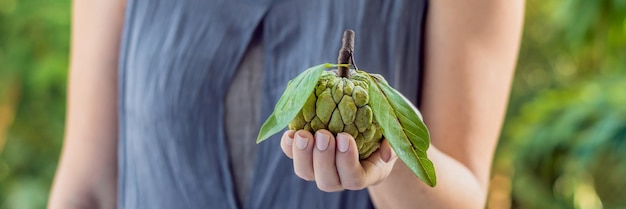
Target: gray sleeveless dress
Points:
(178, 64)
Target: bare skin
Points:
(471, 48)
(87, 172)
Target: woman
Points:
(166, 97)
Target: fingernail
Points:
(289, 141)
(385, 155)
(342, 142)
(301, 142)
(321, 141)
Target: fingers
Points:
(302, 151)
(326, 176)
(286, 142)
(386, 152)
(378, 166)
(355, 174)
(333, 163)
(351, 174)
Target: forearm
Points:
(457, 187)
(87, 173)
(471, 49)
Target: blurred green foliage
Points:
(563, 143)
(34, 46)
(570, 145)
(564, 140)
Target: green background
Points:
(563, 144)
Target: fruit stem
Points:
(345, 53)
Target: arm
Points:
(471, 48)
(87, 172)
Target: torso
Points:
(179, 62)
(242, 118)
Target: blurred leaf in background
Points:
(564, 138)
(34, 46)
(570, 146)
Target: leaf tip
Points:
(259, 139)
(432, 182)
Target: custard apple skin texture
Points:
(340, 104)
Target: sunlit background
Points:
(563, 143)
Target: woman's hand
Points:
(333, 163)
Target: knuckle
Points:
(285, 148)
(328, 187)
(353, 184)
(305, 175)
(288, 154)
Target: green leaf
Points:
(403, 128)
(292, 101)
